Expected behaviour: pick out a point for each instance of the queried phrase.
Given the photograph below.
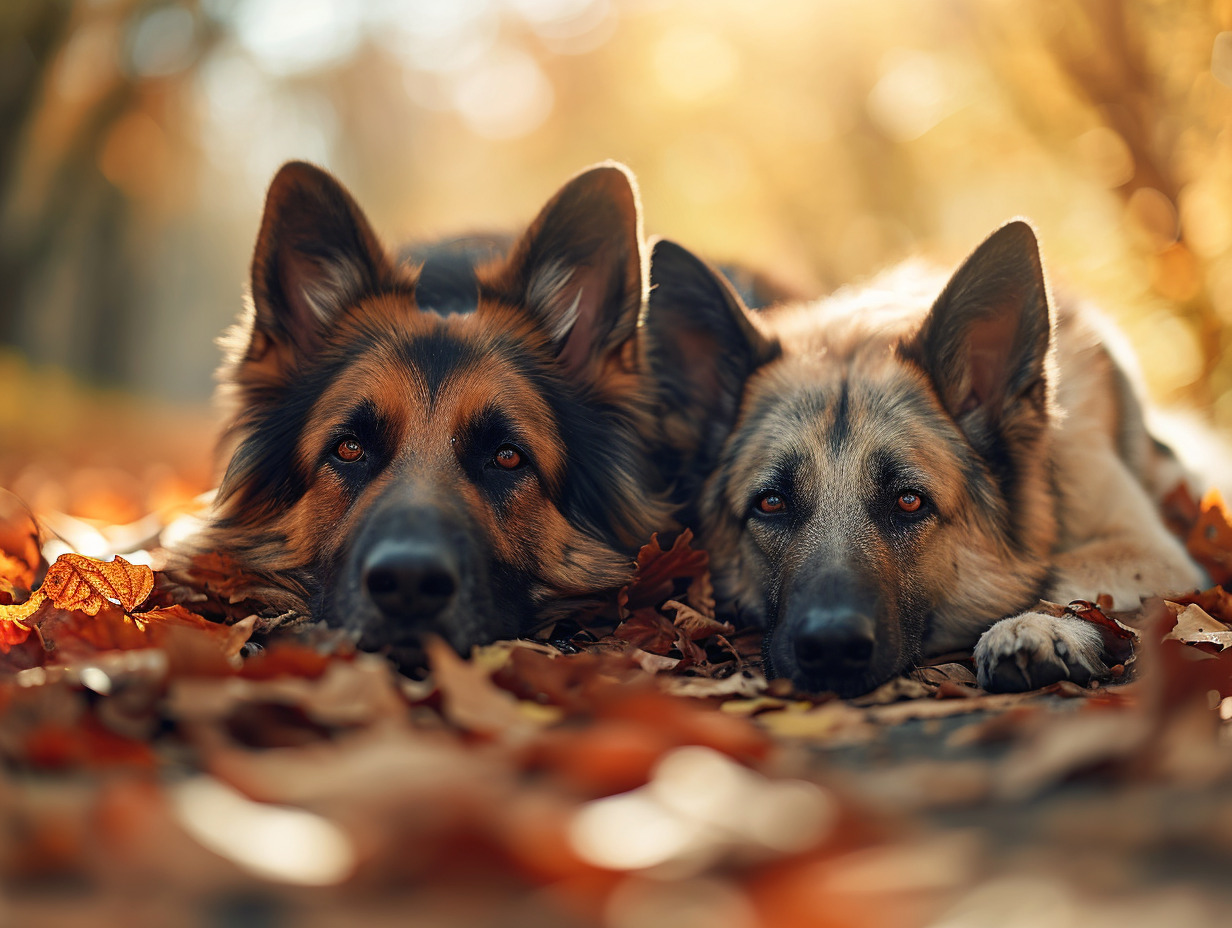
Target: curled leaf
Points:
(83, 583)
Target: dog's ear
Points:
(579, 269)
(985, 342)
(316, 256)
(701, 347)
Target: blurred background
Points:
(817, 140)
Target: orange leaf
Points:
(83, 583)
(13, 631)
(13, 627)
(20, 558)
(1210, 539)
(72, 633)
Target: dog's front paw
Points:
(1033, 649)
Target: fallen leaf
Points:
(658, 571)
(471, 701)
(694, 624)
(82, 583)
(745, 684)
(20, 558)
(1215, 602)
(1119, 638)
(654, 663)
(1210, 540)
(1194, 626)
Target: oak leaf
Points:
(658, 571)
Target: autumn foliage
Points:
(639, 765)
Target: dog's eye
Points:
(349, 449)
(770, 503)
(508, 457)
(911, 506)
(909, 502)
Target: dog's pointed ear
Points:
(580, 269)
(316, 256)
(702, 345)
(985, 342)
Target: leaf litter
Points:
(640, 770)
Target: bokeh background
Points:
(816, 140)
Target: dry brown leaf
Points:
(658, 570)
(1194, 626)
(696, 625)
(1215, 602)
(1119, 638)
(470, 699)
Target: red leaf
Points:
(658, 570)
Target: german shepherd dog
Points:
(450, 446)
(889, 474)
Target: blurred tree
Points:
(66, 264)
(1142, 71)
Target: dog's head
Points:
(870, 472)
(405, 459)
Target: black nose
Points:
(835, 643)
(410, 579)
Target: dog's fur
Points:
(492, 391)
(1004, 424)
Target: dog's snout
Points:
(835, 642)
(413, 580)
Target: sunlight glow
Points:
(508, 95)
(912, 96)
(693, 64)
(275, 842)
(699, 805)
(290, 36)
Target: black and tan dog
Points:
(451, 447)
(889, 474)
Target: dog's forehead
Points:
(840, 421)
(429, 376)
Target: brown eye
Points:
(349, 450)
(771, 503)
(508, 457)
(909, 502)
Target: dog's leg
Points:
(1116, 545)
